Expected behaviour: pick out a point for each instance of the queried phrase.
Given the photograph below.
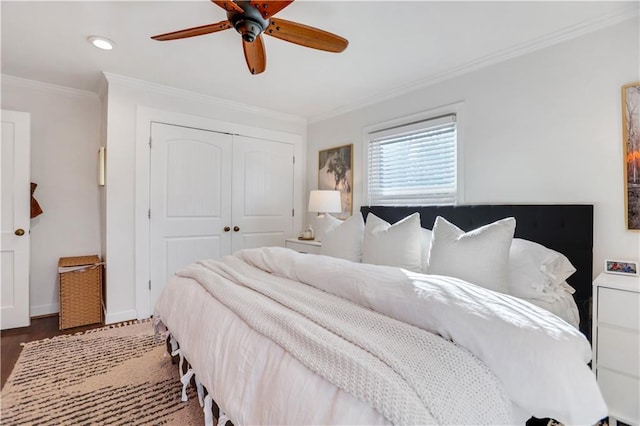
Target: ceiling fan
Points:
(253, 18)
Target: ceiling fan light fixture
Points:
(101, 42)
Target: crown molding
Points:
(199, 97)
(46, 87)
(624, 13)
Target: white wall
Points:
(128, 100)
(540, 128)
(65, 134)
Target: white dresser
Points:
(616, 344)
(303, 246)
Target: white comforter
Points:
(539, 359)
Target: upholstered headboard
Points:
(567, 229)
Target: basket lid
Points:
(78, 261)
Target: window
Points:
(413, 164)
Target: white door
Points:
(262, 192)
(190, 199)
(15, 211)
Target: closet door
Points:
(262, 192)
(190, 199)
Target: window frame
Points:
(456, 109)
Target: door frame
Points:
(144, 117)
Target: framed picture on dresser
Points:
(622, 267)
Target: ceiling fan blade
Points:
(196, 31)
(305, 35)
(228, 5)
(269, 8)
(255, 55)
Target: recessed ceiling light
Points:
(101, 42)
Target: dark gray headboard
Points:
(567, 229)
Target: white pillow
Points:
(425, 235)
(480, 256)
(563, 305)
(343, 239)
(398, 245)
(536, 271)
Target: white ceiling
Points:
(393, 45)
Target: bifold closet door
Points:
(190, 190)
(262, 194)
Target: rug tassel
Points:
(208, 410)
(200, 389)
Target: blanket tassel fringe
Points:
(205, 401)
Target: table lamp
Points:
(322, 202)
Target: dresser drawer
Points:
(619, 307)
(621, 393)
(618, 350)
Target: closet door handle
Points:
(227, 229)
(19, 232)
(236, 228)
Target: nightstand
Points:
(616, 344)
(303, 246)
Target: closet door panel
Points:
(190, 199)
(262, 192)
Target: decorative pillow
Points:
(399, 244)
(343, 239)
(425, 235)
(480, 256)
(536, 271)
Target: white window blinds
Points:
(413, 164)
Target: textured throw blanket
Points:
(409, 375)
(540, 360)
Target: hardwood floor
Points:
(40, 328)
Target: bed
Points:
(271, 336)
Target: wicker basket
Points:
(80, 291)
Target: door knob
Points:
(19, 232)
(227, 229)
(236, 228)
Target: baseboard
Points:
(114, 317)
(44, 310)
(109, 318)
(45, 316)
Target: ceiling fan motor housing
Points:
(249, 23)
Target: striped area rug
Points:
(111, 375)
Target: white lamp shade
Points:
(323, 201)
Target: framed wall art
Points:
(335, 172)
(631, 152)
